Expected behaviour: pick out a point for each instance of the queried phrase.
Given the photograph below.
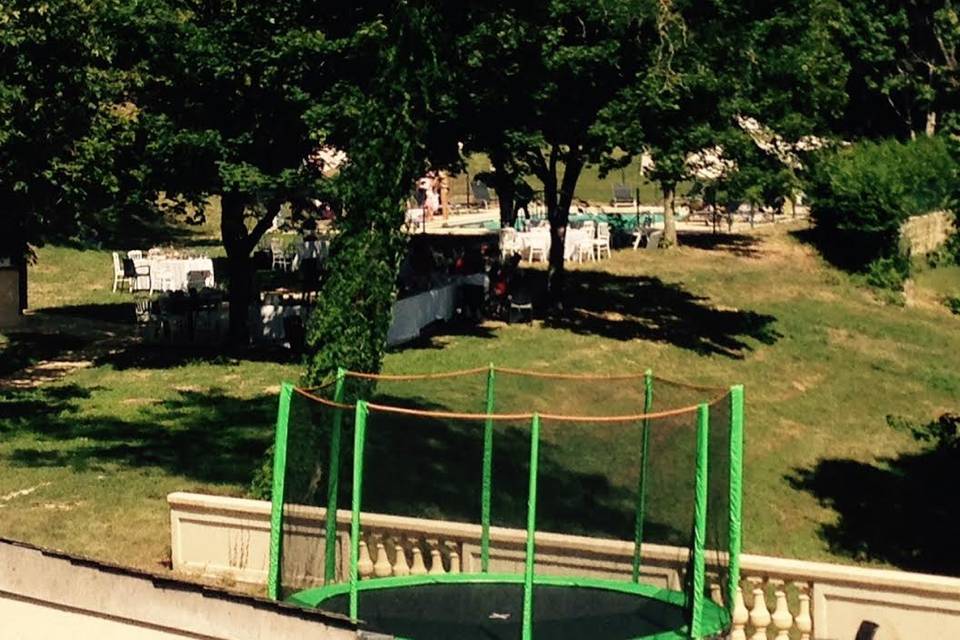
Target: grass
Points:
(85, 463)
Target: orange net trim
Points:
(417, 376)
(569, 376)
(510, 416)
(330, 403)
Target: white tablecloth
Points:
(173, 274)
(573, 239)
(412, 314)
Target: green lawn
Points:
(85, 463)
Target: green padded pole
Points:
(359, 433)
(736, 489)
(487, 486)
(642, 482)
(277, 492)
(529, 557)
(700, 520)
(333, 482)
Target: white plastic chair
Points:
(280, 258)
(135, 254)
(537, 246)
(118, 275)
(602, 242)
(584, 249)
(509, 243)
(589, 228)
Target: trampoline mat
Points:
(485, 611)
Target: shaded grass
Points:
(823, 363)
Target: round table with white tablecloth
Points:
(176, 274)
(572, 241)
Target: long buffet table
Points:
(410, 314)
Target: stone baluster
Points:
(382, 567)
(804, 621)
(454, 561)
(739, 618)
(400, 567)
(436, 562)
(759, 615)
(781, 618)
(417, 568)
(364, 563)
(716, 593)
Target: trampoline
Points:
(362, 433)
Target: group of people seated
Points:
(427, 266)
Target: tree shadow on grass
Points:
(900, 511)
(647, 308)
(25, 348)
(209, 437)
(424, 466)
(434, 335)
(114, 312)
(739, 244)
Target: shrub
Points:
(953, 303)
(861, 194)
(889, 272)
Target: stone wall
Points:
(45, 594)
(922, 234)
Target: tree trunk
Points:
(505, 195)
(559, 216)
(931, 128)
(239, 267)
(503, 184)
(669, 219)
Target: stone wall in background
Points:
(922, 234)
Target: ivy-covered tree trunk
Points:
(348, 327)
(669, 214)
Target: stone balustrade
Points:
(777, 598)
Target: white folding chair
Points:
(602, 242)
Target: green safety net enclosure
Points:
(632, 457)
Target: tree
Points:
(239, 95)
(535, 80)
(68, 163)
(905, 76)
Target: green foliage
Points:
(861, 194)
(68, 162)
(903, 57)
(953, 303)
(942, 434)
(889, 272)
